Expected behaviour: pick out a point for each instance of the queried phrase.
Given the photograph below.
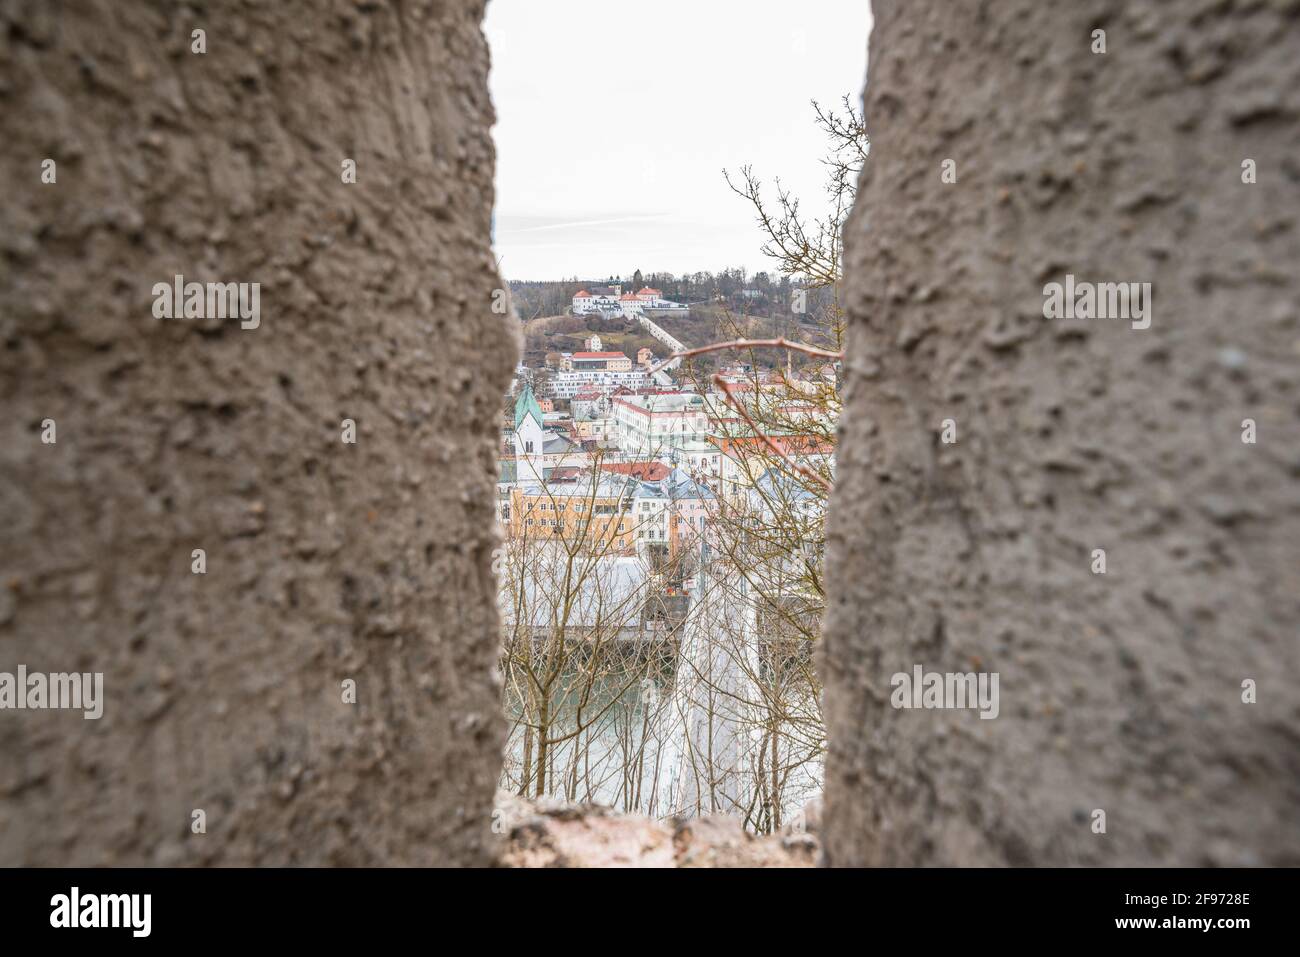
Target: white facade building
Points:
(702, 459)
(589, 405)
(653, 424)
(596, 371)
(567, 383)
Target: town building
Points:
(596, 509)
(616, 599)
(672, 511)
(590, 404)
(596, 370)
(653, 424)
(646, 470)
(599, 430)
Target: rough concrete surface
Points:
(325, 561)
(1119, 692)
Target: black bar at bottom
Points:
(578, 909)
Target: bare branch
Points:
(803, 470)
(781, 343)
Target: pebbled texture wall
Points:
(1119, 692)
(326, 561)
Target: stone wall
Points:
(326, 562)
(1122, 691)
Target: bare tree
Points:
(750, 664)
(591, 631)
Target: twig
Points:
(781, 343)
(803, 470)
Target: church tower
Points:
(529, 436)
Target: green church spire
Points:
(527, 403)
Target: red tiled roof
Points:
(645, 471)
(599, 355)
(788, 444)
(580, 293)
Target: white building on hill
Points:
(611, 301)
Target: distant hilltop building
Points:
(612, 302)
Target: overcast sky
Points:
(616, 118)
